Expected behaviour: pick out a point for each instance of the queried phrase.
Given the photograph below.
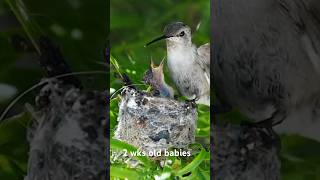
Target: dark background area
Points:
(78, 27)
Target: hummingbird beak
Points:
(157, 39)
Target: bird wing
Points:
(311, 40)
(204, 60)
(306, 16)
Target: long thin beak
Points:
(156, 39)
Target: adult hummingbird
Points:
(267, 61)
(188, 65)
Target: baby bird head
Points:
(154, 76)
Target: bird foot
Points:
(192, 102)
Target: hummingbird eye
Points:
(181, 34)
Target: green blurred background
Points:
(134, 23)
(78, 27)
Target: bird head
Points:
(154, 76)
(175, 33)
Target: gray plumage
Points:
(189, 66)
(267, 59)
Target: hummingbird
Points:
(267, 61)
(155, 78)
(188, 65)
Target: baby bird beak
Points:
(152, 65)
(161, 64)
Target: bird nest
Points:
(155, 124)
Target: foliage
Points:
(300, 158)
(80, 28)
(198, 164)
(74, 26)
(13, 147)
(132, 25)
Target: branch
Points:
(68, 136)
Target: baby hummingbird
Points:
(155, 78)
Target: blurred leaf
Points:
(17, 169)
(203, 175)
(123, 173)
(116, 144)
(194, 164)
(6, 91)
(203, 132)
(113, 114)
(14, 145)
(300, 158)
(20, 11)
(301, 147)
